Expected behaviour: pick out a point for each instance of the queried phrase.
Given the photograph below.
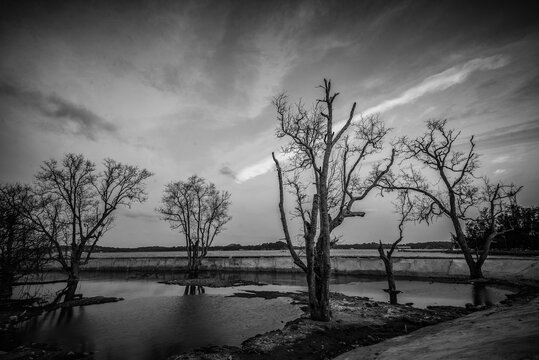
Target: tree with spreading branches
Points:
(445, 179)
(75, 207)
(322, 172)
(198, 211)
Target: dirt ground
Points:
(210, 282)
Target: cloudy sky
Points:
(185, 87)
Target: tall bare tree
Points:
(197, 210)
(444, 177)
(23, 250)
(322, 174)
(76, 206)
(404, 207)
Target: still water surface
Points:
(156, 320)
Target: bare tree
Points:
(197, 210)
(445, 179)
(76, 206)
(23, 251)
(323, 176)
(404, 207)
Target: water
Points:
(157, 327)
(156, 320)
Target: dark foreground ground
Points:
(358, 323)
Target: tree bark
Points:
(322, 311)
(474, 268)
(391, 288)
(193, 273)
(194, 267)
(388, 264)
(6, 285)
(72, 282)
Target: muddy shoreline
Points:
(356, 322)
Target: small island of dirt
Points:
(211, 282)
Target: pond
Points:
(157, 320)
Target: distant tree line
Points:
(428, 245)
(523, 233)
(277, 245)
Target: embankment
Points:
(497, 268)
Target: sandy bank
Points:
(497, 333)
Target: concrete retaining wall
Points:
(519, 268)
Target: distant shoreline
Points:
(280, 245)
(442, 247)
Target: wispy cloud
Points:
(64, 115)
(435, 83)
(252, 171)
(500, 159)
(523, 133)
(439, 82)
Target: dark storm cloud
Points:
(227, 171)
(63, 115)
(88, 122)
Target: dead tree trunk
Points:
(322, 310)
(404, 207)
(194, 266)
(388, 264)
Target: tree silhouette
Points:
(198, 211)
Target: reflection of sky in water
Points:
(157, 327)
(157, 320)
(423, 294)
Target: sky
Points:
(185, 87)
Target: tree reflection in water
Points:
(481, 295)
(194, 290)
(65, 315)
